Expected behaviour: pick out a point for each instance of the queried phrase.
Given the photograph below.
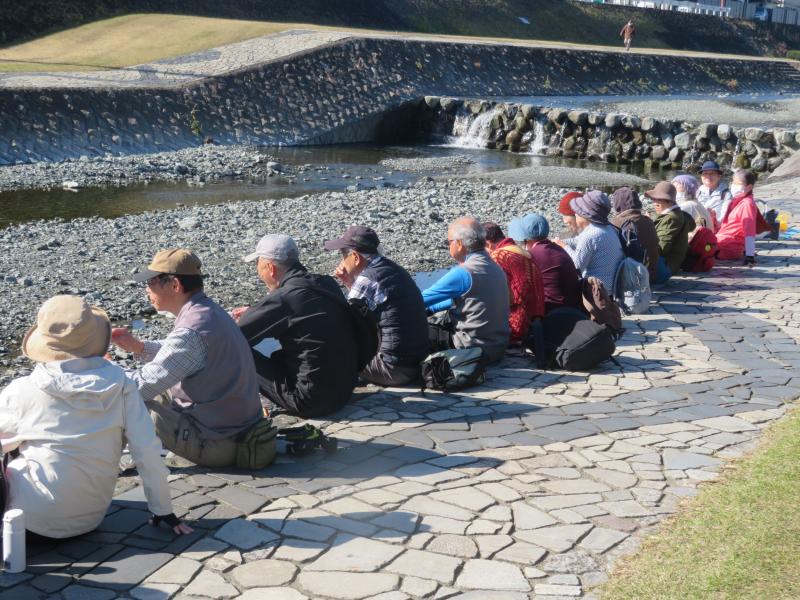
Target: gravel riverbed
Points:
(96, 257)
(197, 165)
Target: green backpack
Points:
(255, 448)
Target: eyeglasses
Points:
(162, 278)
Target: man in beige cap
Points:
(199, 382)
(672, 228)
(69, 420)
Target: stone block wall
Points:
(612, 138)
(338, 92)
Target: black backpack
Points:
(448, 370)
(365, 326)
(587, 345)
(548, 333)
(629, 238)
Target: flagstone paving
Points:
(527, 487)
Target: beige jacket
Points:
(70, 421)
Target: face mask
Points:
(681, 197)
(736, 189)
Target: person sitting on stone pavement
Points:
(628, 209)
(66, 423)
(567, 214)
(395, 300)
(524, 281)
(687, 185)
(714, 193)
(472, 298)
(560, 278)
(736, 238)
(596, 250)
(315, 370)
(672, 227)
(200, 381)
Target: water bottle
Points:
(14, 541)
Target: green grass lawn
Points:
(739, 538)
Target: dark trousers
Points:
(440, 331)
(274, 384)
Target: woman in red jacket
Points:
(741, 223)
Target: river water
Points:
(330, 168)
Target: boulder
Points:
(513, 138)
(528, 111)
(785, 138)
(650, 124)
(578, 117)
(759, 164)
(797, 138)
(449, 104)
(432, 101)
(638, 137)
(706, 130)
(749, 149)
(668, 140)
(659, 153)
(774, 162)
(632, 122)
(724, 131)
(675, 155)
(521, 123)
(754, 134)
(684, 140)
(595, 118)
(613, 121)
(557, 116)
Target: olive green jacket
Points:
(672, 229)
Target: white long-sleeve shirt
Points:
(70, 420)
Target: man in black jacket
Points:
(315, 370)
(395, 300)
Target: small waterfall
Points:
(478, 132)
(560, 135)
(736, 151)
(538, 144)
(688, 161)
(461, 123)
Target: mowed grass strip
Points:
(130, 40)
(739, 538)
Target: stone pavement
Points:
(528, 487)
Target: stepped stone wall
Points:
(339, 92)
(612, 138)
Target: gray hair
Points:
(470, 232)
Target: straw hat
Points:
(67, 327)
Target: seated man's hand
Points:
(178, 527)
(238, 312)
(559, 242)
(342, 275)
(124, 339)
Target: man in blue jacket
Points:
(475, 294)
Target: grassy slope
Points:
(739, 538)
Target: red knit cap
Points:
(563, 206)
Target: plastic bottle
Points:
(14, 541)
(783, 219)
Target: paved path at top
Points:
(183, 70)
(528, 487)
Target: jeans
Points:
(663, 272)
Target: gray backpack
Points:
(453, 369)
(632, 287)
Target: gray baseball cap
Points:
(275, 246)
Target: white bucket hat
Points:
(67, 327)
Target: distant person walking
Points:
(627, 34)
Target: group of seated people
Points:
(209, 380)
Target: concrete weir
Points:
(327, 88)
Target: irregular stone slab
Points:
(558, 538)
(556, 502)
(551, 589)
(428, 474)
(575, 486)
(405, 521)
(453, 545)
(729, 424)
(521, 552)
(612, 478)
(601, 539)
(356, 555)
(210, 585)
(575, 562)
(346, 586)
(126, 569)
(155, 591)
(244, 534)
(80, 592)
(482, 574)
(491, 595)
(204, 548)
(262, 573)
(469, 498)
(427, 565)
(351, 508)
(428, 506)
(681, 460)
(272, 593)
(307, 531)
(299, 550)
(490, 544)
(442, 525)
(527, 517)
(178, 570)
(625, 508)
(245, 501)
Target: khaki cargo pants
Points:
(179, 435)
